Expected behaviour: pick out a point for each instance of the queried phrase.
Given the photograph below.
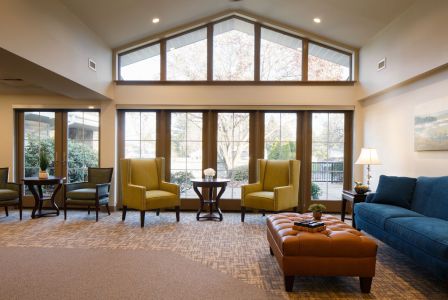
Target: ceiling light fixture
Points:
(316, 20)
(156, 20)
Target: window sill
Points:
(236, 83)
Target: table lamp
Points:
(368, 157)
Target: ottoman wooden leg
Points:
(365, 284)
(289, 283)
(270, 250)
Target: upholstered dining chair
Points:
(92, 193)
(144, 187)
(277, 188)
(10, 193)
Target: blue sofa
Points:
(418, 228)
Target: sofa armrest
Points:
(250, 188)
(370, 197)
(170, 187)
(284, 194)
(102, 190)
(135, 196)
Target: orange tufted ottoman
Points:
(340, 251)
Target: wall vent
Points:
(92, 64)
(381, 64)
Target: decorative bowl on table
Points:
(361, 188)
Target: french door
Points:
(69, 138)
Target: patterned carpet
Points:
(237, 249)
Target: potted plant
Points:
(43, 164)
(361, 188)
(317, 210)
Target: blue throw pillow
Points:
(394, 190)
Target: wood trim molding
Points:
(236, 83)
(152, 107)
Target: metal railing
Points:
(327, 172)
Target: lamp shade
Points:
(368, 156)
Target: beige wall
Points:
(9, 102)
(389, 127)
(235, 95)
(413, 43)
(45, 32)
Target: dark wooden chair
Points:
(92, 193)
(10, 193)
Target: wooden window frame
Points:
(257, 42)
(256, 149)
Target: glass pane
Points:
(327, 156)
(233, 151)
(280, 56)
(328, 64)
(132, 126)
(140, 134)
(280, 136)
(83, 144)
(141, 64)
(187, 56)
(148, 126)
(39, 133)
(186, 150)
(233, 50)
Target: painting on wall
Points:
(431, 126)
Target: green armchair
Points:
(277, 187)
(93, 193)
(10, 193)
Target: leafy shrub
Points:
(316, 191)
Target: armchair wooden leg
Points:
(123, 216)
(289, 283)
(97, 208)
(158, 212)
(107, 207)
(243, 213)
(88, 210)
(177, 213)
(6, 211)
(142, 218)
(65, 209)
(20, 209)
(263, 212)
(365, 284)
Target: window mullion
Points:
(210, 52)
(305, 60)
(257, 37)
(163, 60)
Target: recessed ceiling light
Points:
(156, 20)
(316, 20)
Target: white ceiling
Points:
(352, 22)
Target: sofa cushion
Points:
(431, 197)
(261, 200)
(276, 174)
(395, 190)
(428, 234)
(82, 194)
(377, 214)
(6, 194)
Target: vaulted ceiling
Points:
(352, 22)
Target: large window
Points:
(280, 56)
(328, 64)
(83, 144)
(233, 50)
(327, 155)
(141, 64)
(140, 135)
(186, 150)
(233, 151)
(280, 135)
(187, 56)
